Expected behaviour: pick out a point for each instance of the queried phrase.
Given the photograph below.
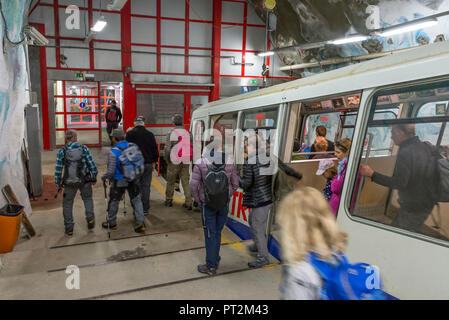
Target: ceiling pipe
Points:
(342, 60)
(233, 62)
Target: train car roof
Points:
(423, 62)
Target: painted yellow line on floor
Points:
(160, 188)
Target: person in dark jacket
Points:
(147, 144)
(257, 195)
(213, 220)
(113, 117)
(119, 185)
(409, 178)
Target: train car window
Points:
(198, 132)
(403, 189)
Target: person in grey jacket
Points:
(257, 195)
(119, 185)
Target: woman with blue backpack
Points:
(312, 246)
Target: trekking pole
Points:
(124, 203)
(107, 207)
(57, 192)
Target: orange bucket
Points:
(10, 219)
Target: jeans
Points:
(109, 127)
(116, 194)
(67, 203)
(145, 186)
(411, 220)
(258, 224)
(213, 223)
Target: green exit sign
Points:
(254, 81)
(79, 75)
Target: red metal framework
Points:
(93, 114)
(126, 16)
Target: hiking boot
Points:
(187, 207)
(140, 229)
(260, 262)
(111, 227)
(91, 224)
(168, 203)
(204, 269)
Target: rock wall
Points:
(13, 99)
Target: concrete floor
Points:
(161, 264)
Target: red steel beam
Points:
(129, 93)
(57, 39)
(245, 20)
(91, 44)
(186, 39)
(216, 49)
(158, 37)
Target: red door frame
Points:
(66, 113)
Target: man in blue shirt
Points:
(80, 173)
(119, 184)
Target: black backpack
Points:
(216, 189)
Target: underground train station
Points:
(224, 150)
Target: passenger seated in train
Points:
(409, 178)
(321, 145)
(307, 225)
(327, 169)
(321, 132)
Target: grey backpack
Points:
(438, 172)
(73, 166)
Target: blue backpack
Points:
(345, 281)
(132, 162)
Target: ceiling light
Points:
(265, 54)
(99, 25)
(407, 28)
(350, 39)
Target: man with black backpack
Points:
(80, 173)
(125, 166)
(148, 146)
(214, 181)
(113, 117)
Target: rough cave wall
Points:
(13, 98)
(306, 21)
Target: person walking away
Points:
(180, 141)
(146, 142)
(214, 181)
(327, 169)
(409, 178)
(257, 195)
(80, 173)
(113, 117)
(307, 225)
(321, 146)
(116, 174)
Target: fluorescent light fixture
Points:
(411, 27)
(265, 54)
(99, 25)
(350, 39)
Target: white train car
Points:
(360, 102)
